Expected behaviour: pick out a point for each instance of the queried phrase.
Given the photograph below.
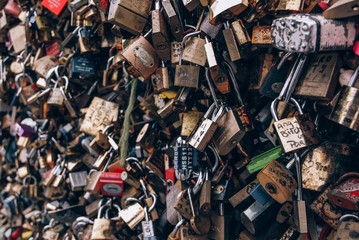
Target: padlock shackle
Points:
(217, 157)
(346, 216)
(274, 105)
(354, 77)
(199, 183)
(183, 43)
(234, 82)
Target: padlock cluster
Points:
(179, 119)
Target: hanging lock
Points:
(185, 159)
(102, 226)
(295, 132)
(160, 38)
(346, 111)
(205, 129)
(312, 28)
(24, 82)
(142, 58)
(30, 187)
(231, 43)
(56, 98)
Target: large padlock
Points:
(347, 229)
(278, 181)
(142, 57)
(311, 33)
(295, 132)
(222, 11)
(346, 111)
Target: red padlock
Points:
(54, 6)
(12, 8)
(111, 184)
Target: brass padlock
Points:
(346, 111)
(240, 32)
(43, 65)
(261, 36)
(278, 181)
(87, 43)
(194, 50)
(189, 122)
(101, 227)
(321, 78)
(173, 20)
(130, 15)
(160, 38)
(142, 57)
(100, 114)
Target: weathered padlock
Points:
(173, 20)
(345, 193)
(142, 57)
(230, 129)
(205, 129)
(347, 229)
(160, 38)
(87, 43)
(24, 84)
(130, 15)
(56, 98)
(100, 114)
(325, 65)
(30, 187)
(102, 226)
(231, 42)
(295, 132)
(194, 49)
(278, 181)
(261, 36)
(311, 33)
(346, 111)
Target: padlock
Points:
(231, 42)
(220, 220)
(316, 33)
(173, 20)
(160, 79)
(129, 15)
(87, 43)
(111, 184)
(176, 52)
(312, 87)
(221, 11)
(295, 132)
(54, 8)
(186, 75)
(25, 84)
(132, 215)
(142, 57)
(200, 224)
(160, 38)
(284, 5)
(345, 193)
(17, 36)
(78, 180)
(346, 110)
(240, 32)
(56, 98)
(189, 121)
(101, 227)
(185, 159)
(277, 181)
(205, 129)
(347, 229)
(194, 49)
(261, 36)
(100, 114)
(43, 65)
(29, 190)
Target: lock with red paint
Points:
(111, 184)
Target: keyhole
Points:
(271, 188)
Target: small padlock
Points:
(160, 38)
(101, 227)
(30, 189)
(205, 129)
(56, 98)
